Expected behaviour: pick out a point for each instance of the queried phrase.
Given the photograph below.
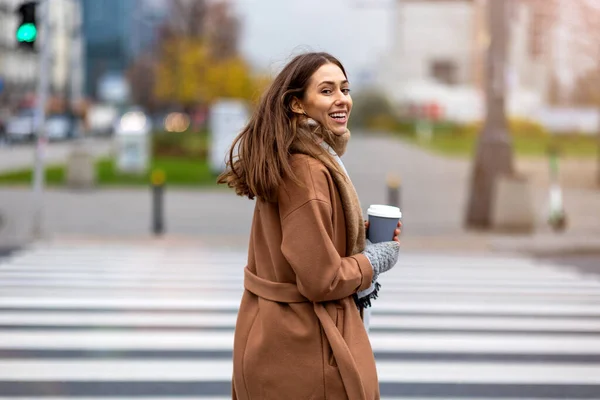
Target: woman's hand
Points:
(397, 232)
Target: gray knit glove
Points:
(382, 256)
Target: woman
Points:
(299, 333)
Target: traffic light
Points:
(27, 28)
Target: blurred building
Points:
(439, 54)
(432, 41)
(116, 32)
(19, 69)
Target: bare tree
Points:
(212, 21)
(142, 79)
(188, 18)
(222, 30)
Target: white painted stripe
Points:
(381, 305)
(138, 260)
(15, 275)
(177, 259)
(235, 273)
(147, 398)
(482, 373)
(219, 340)
(487, 323)
(221, 370)
(120, 303)
(96, 284)
(124, 256)
(150, 254)
(510, 307)
(221, 295)
(591, 292)
(63, 319)
(124, 319)
(148, 251)
(523, 276)
(103, 262)
(139, 293)
(229, 398)
(8, 286)
(106, 276)
(129, 257)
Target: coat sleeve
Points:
(321, 274)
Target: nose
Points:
(341, 99)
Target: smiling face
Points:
(327, 98)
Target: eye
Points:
(346, 91)
(326, 91)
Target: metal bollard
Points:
(557, 218)
(394, 191)
(158, 184)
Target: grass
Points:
(179, 172)
(570, 146)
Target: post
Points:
(158, 185)
(494, 150)
(393, 190)
(40, 121)
(557, 217)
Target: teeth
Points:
(338, 115)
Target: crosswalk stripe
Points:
(422, 297)
(213, 370)
(227, 282)
(125, 398)
(232, 276)
(229, 398)
(219, 340)
(183, 320)
(166, 304)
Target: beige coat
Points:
(299, 334)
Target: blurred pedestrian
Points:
(299, 332)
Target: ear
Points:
(296, 106)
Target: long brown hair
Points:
(263, 146)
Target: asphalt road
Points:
(586, 263)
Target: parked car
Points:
(61, 127)
(101, 119)
(21, 127)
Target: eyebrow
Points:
(332, 82)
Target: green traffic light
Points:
(26, 33)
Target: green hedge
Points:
(189, 145)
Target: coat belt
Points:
(289, 293)
(274, 291)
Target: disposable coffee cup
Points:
(383, 221)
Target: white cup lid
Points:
(380, 210)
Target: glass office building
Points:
(115, 31)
